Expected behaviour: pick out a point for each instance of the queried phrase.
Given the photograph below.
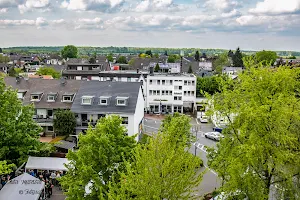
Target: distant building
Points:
(84, 71)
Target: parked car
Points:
(203, 118)
(218, 129)
(214, 136)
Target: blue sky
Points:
(250, 24)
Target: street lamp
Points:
(196, 129)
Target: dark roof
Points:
(45, 86)
(80, 72)
(113, 89)
(77, 60)
(65, 144)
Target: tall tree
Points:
(162, 168)
(267, 58)
(131, 62)
(110, 58)
(64, 122)
(69, 51)
(230, 54)
(18, 131)
(149, 52)
(122, 60)
(166, 53)
(49, 71)
(190, 70)
(221, 62)
(259, 155)
(238, 58)
(197, 56)
(0, 50)
(100, 156)
(157, 68)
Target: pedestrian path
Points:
(200, 146)
(57, 194)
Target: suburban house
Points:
(232, 71)
(84, 71)
(53, 60)
(97, 99)
(166, 67)
(170, 93)
(46, 96)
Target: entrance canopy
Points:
(25, 187)
(46, 163)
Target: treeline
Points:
(132, 50)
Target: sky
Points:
(226, 24)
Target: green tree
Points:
(190, 70)
(18, 132)
(260, 151)
(238, 58)
(172, 58)
(197, 56)
(156, 55)
(149, 52)
(4, 59)
(221, 62)
(0, 50)
(291, 57)
(69, 51)
(210, 85)
(64, 122)
(131, 62)
(267, 58)
(12, 72)
(162, 168)
(166, 53)
(122, 60)
(110, 57)
(49, 71)
(5, 168)
(100, 156)
(92, 60)
(157, 68)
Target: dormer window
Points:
(68, 97)
(21, 94)
(51, 97)
(36, 96)
(122, 101)
(87, 100)
(104, 100)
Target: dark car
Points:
(218, 129)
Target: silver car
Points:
(214, 136)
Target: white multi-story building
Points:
(169, 93)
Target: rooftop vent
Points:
(63, 81)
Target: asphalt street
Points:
(210, 179)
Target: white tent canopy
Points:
(25, 187)
(46, 163)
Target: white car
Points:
(214, 135)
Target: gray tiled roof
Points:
(45, 86)
(65, 144)
(113, 89)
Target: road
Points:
(210, 179)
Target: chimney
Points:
(137, 70)
(151, 70)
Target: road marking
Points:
(146, 119)
(212, 171)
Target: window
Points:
(170, 92)
(167, 92)
(177, 98)
(185, 82)
(35, 97)
(180, 87)
(150, 92)
(20, 95)
(193, 82)
(193, 93)
(86, 100)
(125, 120)
(154, 92)
(128, 79)
(158, 92)
(50, 128)
(171, 82)
(184, 92)
(103, 101)
(67, 98)
(121, 102)
(150, 82)
(158, 82)
(163, 82)
(51, 98)
(50, 113)
(162, 92)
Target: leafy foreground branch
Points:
(260, 154)
(162, 168)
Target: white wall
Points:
(139, 113)
(95, 78)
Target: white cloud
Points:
(58, 21)
(95, 5)
(232, 13)
(3, 10)
(276, 7)
(156, 5)
(33, 4)
(40, 21)
(8, 22)
(221, 5)
(86, 23)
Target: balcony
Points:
(42, 119)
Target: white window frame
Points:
(35, 95)
(20, 95)
(86, 98)
(125, 120)
(121, 104)
(51, 100)
(63, 100)
(106, 99)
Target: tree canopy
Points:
(101, 154)
(18, 131)
(237, 58)
(210, 85)
(69, 51)
(162, 168)
(122, 60)
(110, 58)
(267, 58)
(64, 122)
(157, 68)
(4, 59)
(149, 52)
(197, 56)
(49, 71)
(221, 61)
(259, 155)
(173, 58)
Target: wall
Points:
(139, 113)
